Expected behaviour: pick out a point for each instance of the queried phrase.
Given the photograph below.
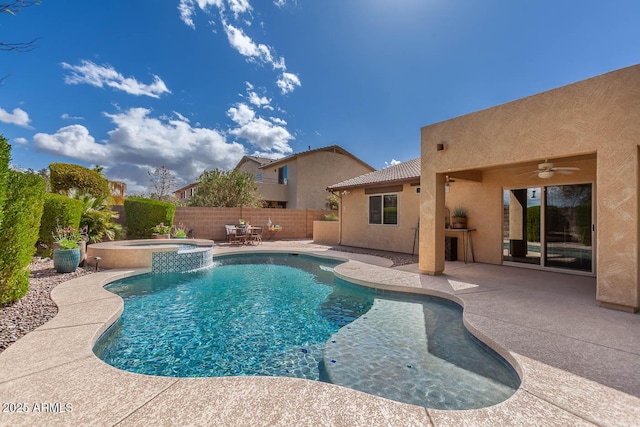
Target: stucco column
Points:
(617, 227)
(432, 223)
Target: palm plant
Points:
(97, 217)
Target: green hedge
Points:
(61, 210)
(142, 214)
(5, 155)
(19, 231)
(65, 176)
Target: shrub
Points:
(19, 231)
(5, 154)
(97, 217)
(143, 214)
(331, 217)
(58, 210)
(65, 176)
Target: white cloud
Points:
(393, 162)
(242, 115)
(181, 117)
(17, 117)
(257, 100)
(239, 40)
(21, 141)
(254, 52)
(66, 116)
(140, 142)
(259, 132)
(288, 82)
(281, 3)
(72, 141)
(238, 7)
(105, 75)
(278, 121)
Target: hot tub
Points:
(157, 255)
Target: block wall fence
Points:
(209, 223)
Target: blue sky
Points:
(197, 84)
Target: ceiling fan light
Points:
(545, 174)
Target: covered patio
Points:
(491, 161)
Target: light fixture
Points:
(447, 183)
(545, 174)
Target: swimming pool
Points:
(284, 315)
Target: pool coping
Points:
(55, 365)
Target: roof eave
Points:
(376, 184)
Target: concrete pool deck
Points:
(579, 363)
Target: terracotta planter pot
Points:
(162, 236)
(458, 222)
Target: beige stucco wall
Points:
(326, 232)
(319, 170)
(596, 120)
(356, 230)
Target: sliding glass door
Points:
(549, 226)
(521, 232)
(568, 227)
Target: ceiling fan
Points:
(547, 170)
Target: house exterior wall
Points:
(356, 230)
(315, 172)
(596, 120)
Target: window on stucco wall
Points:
(383, 209)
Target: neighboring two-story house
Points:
(298, 181)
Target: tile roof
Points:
(261, 160)
(405, 171)
(333, 148)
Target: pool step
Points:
(386, 353)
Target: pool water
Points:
(285, 315)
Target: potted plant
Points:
(459, 217)
(66, 249)
(180, 232)
(161, 231)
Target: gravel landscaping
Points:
(36, 307)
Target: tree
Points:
(13, 7)
(162, 182)
(226, 189)
(333, 202)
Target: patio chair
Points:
(232, 234)
(256, 234)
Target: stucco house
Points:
(299, 181)
(186, 192)
(380, 210)
(550, 182)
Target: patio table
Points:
(272, 231)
